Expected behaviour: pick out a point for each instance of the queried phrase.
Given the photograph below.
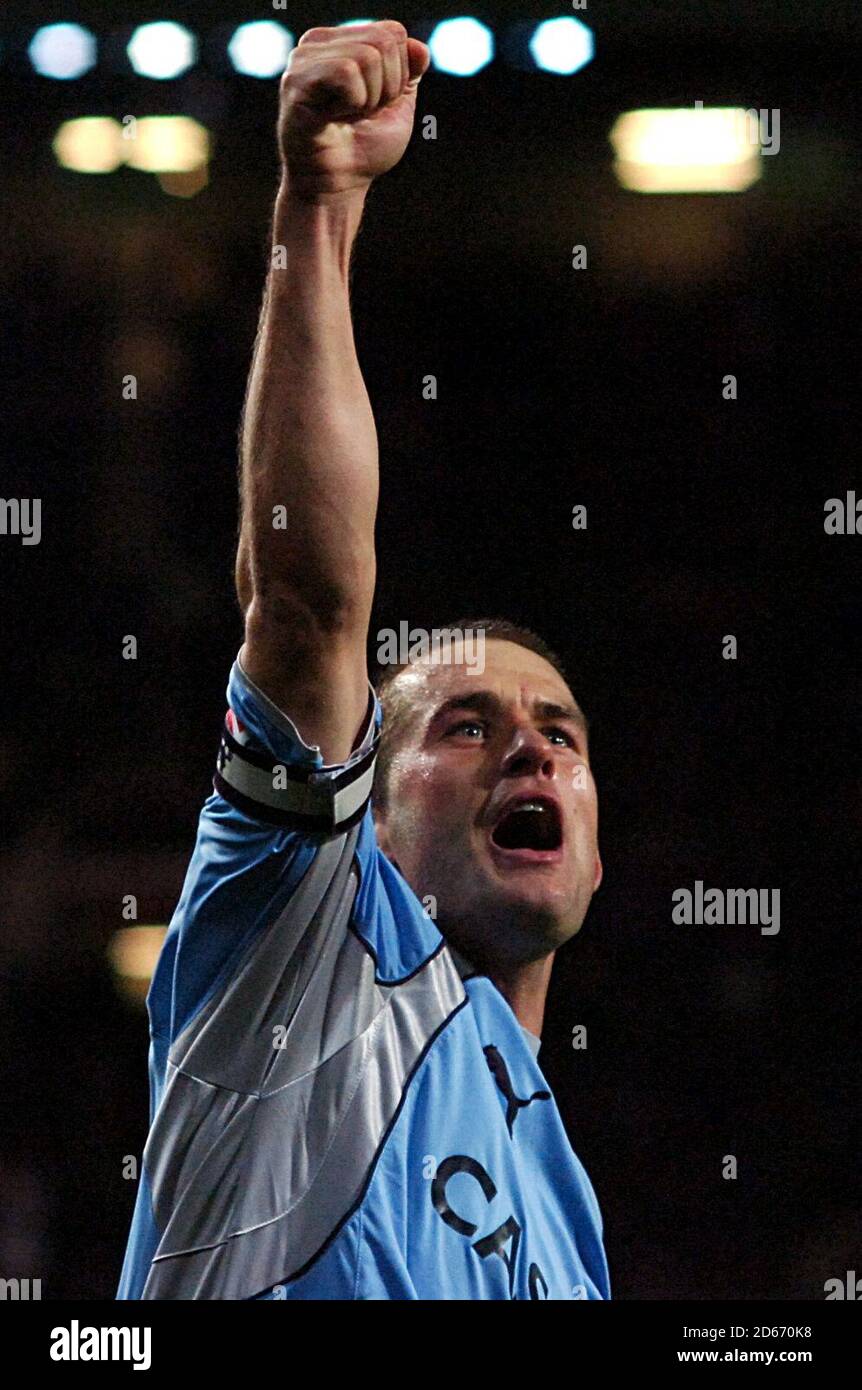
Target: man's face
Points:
(511, 885)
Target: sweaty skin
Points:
(507, 912)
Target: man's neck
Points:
(523, 986)
(525, 989)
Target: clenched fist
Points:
(348, 98)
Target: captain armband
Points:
(297, 798)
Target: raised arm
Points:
(305, 565)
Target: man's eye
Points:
(562, 734)
(466, 724)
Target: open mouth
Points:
(533, 823)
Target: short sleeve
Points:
(275, 807)
(267, 770)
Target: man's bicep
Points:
(318, 674)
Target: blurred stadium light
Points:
(162, 50)
(562, 45)
(461, 46)
(184, 185)
(133, 952)
(158, 145)
(90, 145)
(685, 150)
(261, 48)
(62, 51)
(168, 145)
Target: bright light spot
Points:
(184, 185)
(133, 953)
(461, 46)
(685, 150)
(160, 145)
(349, 23)
(162, 50)
(562, 45)
(89, 145)
(168, 145)
(62, 50)
(135, 950)
(260, 49)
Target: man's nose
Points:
(529, 754)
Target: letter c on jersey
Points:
(496, 1242)
(459, 1163)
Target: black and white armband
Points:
(314, 799)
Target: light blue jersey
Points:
(340, 1107)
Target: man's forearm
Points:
(308, 441)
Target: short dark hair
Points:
(396, 703)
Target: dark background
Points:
(556, 387)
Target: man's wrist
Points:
(294, 192)
(328, 221)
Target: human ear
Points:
(381, 830)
